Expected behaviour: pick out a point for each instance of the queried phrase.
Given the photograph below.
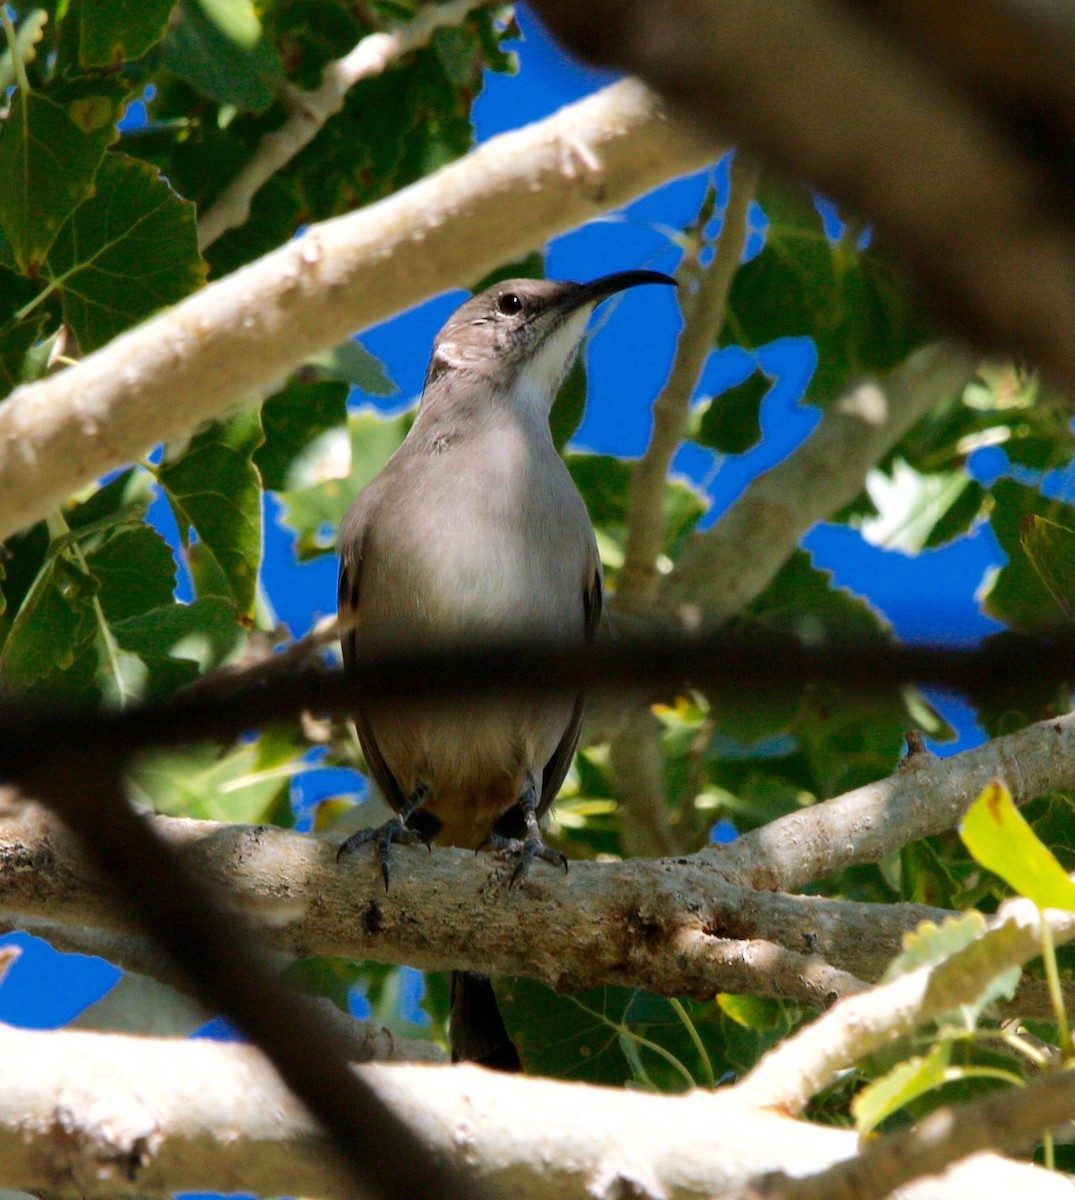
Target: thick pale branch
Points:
(311, 110)
(242, 335)
(90, 1115)
(666, 924)
(723, 569)
(788, 1077)
(926, 795)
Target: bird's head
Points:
(521, 335)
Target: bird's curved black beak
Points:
(608, 285)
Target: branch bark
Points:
(723, 569)
(672, 926)
(90, 1115)
(242, 335)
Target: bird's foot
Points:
(525, 850)
(383, 837)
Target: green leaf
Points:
(205, 632)
(219, 47)
(1016, 594)
(1051, 550)
(17, 334)
(853, 303)
(314, 511)
(353, 364)
(932, 943)
(134, 570)
(51, 147)
(214, 486)
(114, 30)
(998, 836)
(293, 419)
(899, 1087)
(54, 626)
(128, 251)
(237, 785)
(729, 423)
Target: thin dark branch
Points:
(657, 666)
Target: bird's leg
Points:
(525, 848)
(395, 830)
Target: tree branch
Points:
(926, 795)
(671, 926)
(242, 335)
(723, 569)
(312, 110)
(87, 1115)
(789, 1076)
(890, 127)
(1007, 1121)
(703, 319)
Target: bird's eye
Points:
(509, 304)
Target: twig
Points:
(703, 318)
(636, 760)
(312, 110)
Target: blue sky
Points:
(930, 596)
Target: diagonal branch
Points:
(241, 335)
(724, 569)
(788, 1077)
(312, 110)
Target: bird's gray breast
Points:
(486, 536)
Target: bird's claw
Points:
(526, 850)
(383, 837)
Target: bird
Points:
(474, 531)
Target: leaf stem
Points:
(699, 1045)
(1052, 976)
(16, 57)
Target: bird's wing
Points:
(557, 767)
(352, 541)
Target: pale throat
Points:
(539, 378)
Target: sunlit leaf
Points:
(998, 836)
(1051, 550)
(899, 1087)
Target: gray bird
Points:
(474, 531)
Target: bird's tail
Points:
(476, 1030)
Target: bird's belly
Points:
(476, 758)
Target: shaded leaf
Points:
(1016, 594)
(17, 334)
(134, 571)
(114, 30)
(314, 511)
(293, 419)
(219, 47)
(214, 487)
(730, 422)
(51, 147)
(129, 250)
(204, 632)
(1051, 550)
(353, 364)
